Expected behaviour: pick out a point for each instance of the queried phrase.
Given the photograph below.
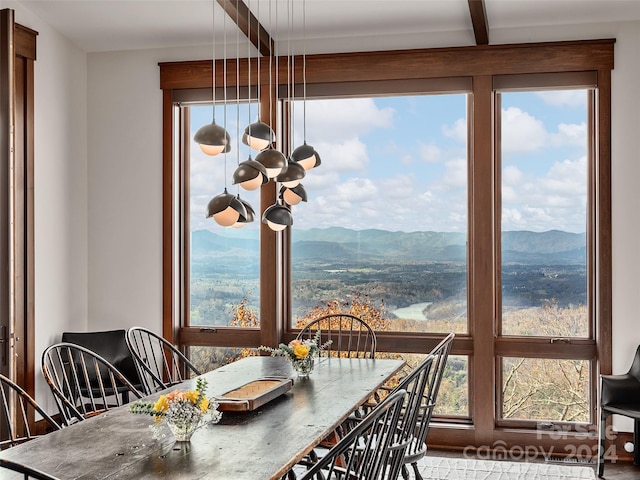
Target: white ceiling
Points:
(331, 25)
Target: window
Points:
(384, 230)
(505, 338)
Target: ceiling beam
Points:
(249, 25)
(479, 21)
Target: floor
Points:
(612, 471)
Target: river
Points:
(412, 312)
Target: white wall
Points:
(61, 293)
(125, 186)
(99, 171)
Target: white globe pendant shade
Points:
(293, 196)
(250, 175)
(258, 135)
(250, 217)
(306, 156)
(226, 209)
(277, 217)
(272, 160)
(213, 139)
(291, 175)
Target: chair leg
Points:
(416, 472)
(601, 444)
(405, 472)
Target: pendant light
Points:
(277, 217)
(272, 160)
(293, 195)
(250, 174)
(249, 217)
(257, 135)
(291, 175)
(212, 138)
(226, 209)
(305, 154)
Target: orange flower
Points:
(295, 342)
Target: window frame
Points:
(482, 65)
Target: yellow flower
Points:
(162, 404)
(301, 351)
(192, 396)
(204, 404)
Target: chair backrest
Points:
(160, 364)
(372, 450)
(27, 472)
(16, 418)
(422, 385)
(110, 345)
(350, 336)
(82, 382)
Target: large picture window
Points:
(461, 189)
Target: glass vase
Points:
(182, 431)
(303, 366)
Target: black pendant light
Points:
(212, 138)
(294, 195)
(250, 217)
(250, 175)
(291, 175)
(272, 160)
(226, 209)
(277, 217)
(258, 135)
(306, 156)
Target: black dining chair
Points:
(110, 345)
(16, 419)
(160, 364)
(620, 395)
(83, 383)
(372, 450)
(25, 471)
(422, 385)
(350, 336)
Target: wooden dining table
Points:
(260, 444)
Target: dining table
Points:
(262, 443)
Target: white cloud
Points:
(398, 187)
(457, 131)
(571, 98)
(570, 134)
(511, 176)
(455, 175)
(521, 132)
(556, 200)
(338, 121)
(350, 155)
(429, 153)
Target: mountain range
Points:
(347, 245)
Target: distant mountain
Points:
(343, 244)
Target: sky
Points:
(400, 163)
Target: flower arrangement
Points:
(300, 352)
(182, 411)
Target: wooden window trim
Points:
(483, 65)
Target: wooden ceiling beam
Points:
(479, 21)
(248, 25)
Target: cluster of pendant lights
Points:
(230, 210)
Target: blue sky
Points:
(400, 163)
